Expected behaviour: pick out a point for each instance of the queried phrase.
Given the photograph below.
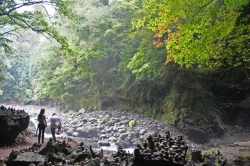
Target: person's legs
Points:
(39, 133)
(53, 132)
(43, 130)
(59, 129)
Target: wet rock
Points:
(146, 135)
(135, 141)
(108, 129)
(143, 131)
(123, 136)
(56, 157)
(81, 156)
(87, 131)
(104, 142)
(47, 148)
(103, 136)
(112, 139)
(75, 134)
(134, 135)
(70, 131)
(124, 144)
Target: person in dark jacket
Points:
(41, 125)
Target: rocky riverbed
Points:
(103, 128)
(109, 129)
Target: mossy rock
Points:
(242, 156)
(132, 123)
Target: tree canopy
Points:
(206, 32)
(16, 16)
(109, 60)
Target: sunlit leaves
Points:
(193, 31)
(146, 62)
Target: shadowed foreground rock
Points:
(27, 158)
(12, 123)
(157, 150)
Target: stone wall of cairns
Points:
(157, 150)
(13, 122)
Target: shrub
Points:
(174, 95)
(131, 123)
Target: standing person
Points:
(55, 123)
(41, 125)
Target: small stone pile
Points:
(161, 150)
(120, 158)
(156, 150)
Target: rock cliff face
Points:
(12, 123)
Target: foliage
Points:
(2, 65)
(211, 33)
(188, 155)
(107, 59)
(143, 64)
(36, 20)
(16, 74)
(131, 123)
(174, 95)
(110, 65)
(16, 17)
(242, 156)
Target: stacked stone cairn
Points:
(158, 150)
(161, 150)
(13, 122)
(121, 157)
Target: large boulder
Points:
(104, 142)
(12, 123)
(122, 143)
(87, 131)
(26, 158)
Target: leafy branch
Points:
(14, 6)
(198, 11)
(35, 20)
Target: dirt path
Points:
(30, 109)
(5, 151)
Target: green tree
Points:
(17, 78)
(15, 17)
(212, 33)
(38, 20)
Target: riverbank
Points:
(241, 149)
(230, 150)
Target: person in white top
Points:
(55, 123)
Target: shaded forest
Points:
(186, 63)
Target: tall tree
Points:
(16, 16)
